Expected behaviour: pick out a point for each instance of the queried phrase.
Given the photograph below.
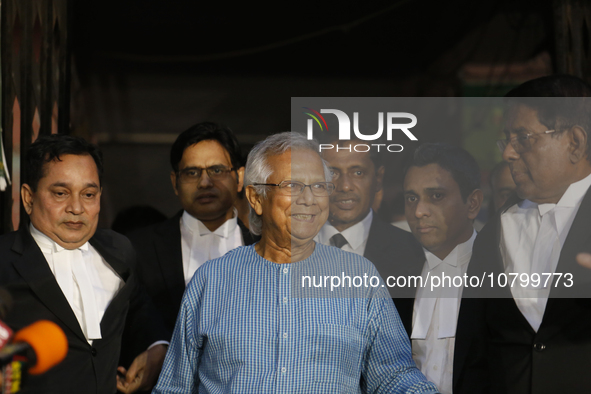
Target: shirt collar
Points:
(48, 244)
(355, 235)
(195, 225)
(459, 256)
(570, 199)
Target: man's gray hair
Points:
(258, 169)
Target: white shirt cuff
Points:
(158, 343)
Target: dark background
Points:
(142, 71)
(147, 70)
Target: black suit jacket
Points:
(160, 264)
(497, 351)
(395, 252)
(37, 295)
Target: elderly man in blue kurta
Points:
(248, 324)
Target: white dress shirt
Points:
(521, 226)
(98, 283)
(435, 318)
(355, 235)
(199, 245)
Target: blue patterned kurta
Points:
(240, 331)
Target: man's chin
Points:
(208, 212)
(71, 243)
(347, 219)
(428, 241)
(71, 238)
(301, 242)
(525, 192)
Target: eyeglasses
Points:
(295, 188)
(521, 142)
(193, 174)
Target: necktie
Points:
(338, 240)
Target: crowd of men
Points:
(205, 301)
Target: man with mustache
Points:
(535, 336)
(442, 199)
(354, 227)
(60, 267)
(207, 174)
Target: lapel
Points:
(170, 256)
(577, 240)
(102, 241)
(376, 242)
(497, 266)
(34, 269)
(383, 244)
(396, 252)
(478, 303)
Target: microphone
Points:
(42, 345)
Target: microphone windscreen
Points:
(48, 341)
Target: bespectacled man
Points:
(442, 199)
(207, 174)
(535, 335)
(353, 225)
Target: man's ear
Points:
(240, 179)
(173, 181)
(578, 144)
(27, 197)
(474, 202)
(380, 178)
(254, 199)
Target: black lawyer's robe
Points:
(395, 252)
(497, 351)
(86, 369)
(160, 264)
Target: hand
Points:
(143, 372)
(584, 259)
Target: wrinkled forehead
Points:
(306, 166)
